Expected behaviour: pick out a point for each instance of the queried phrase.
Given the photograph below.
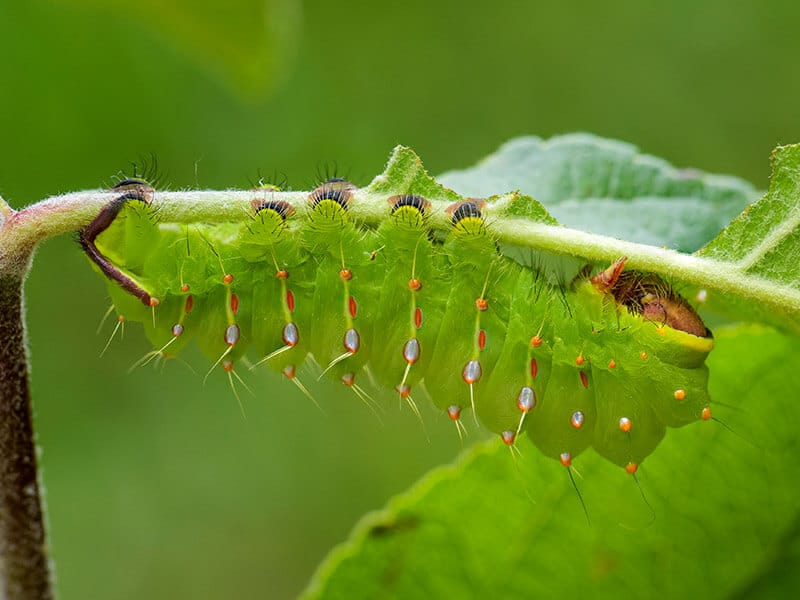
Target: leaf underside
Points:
(610, 188)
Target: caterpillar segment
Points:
(607, 361)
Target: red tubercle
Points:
(352, 306)
(534, 368)
(584, 379)
(185, 288)
(282, 274)
(290, 300)
(227, 365)
(346, 274)
(227, 278)
(189, 304)
(414, 284)
(481, 304)
(536, 341)
(418, 317)
(234, 303)
(482, 339)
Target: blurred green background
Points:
(156, 485)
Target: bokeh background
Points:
(157, 487)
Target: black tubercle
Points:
(130, 184)
(143, 174)
(417, 202)
(338, 190)
(466, 209)
(284, 209)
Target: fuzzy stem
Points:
(24, 568)
(72, 212)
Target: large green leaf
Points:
(724, 518)
(609, 187)
(762, 246)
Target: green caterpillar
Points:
(607, 360)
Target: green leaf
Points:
(249, 48)
(724, 517)
(763, 243)
(405, 174)
(609, 187)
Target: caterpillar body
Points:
(606, 360)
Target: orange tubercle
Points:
(228, 278)
(705, 414)
(631, 467)
(346, 274)
(680, 394)
(481, 304)
(414, 284)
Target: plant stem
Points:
(24, 568)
